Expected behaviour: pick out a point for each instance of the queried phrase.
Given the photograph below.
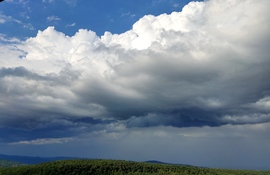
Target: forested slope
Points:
(113, 167)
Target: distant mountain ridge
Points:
(155, 161)
(9, 163)
(159, 162)
(33, 160)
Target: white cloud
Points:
(71, 25)
(48, 1)
(10, 19)
(71, 2)
(176, 5)
(263, 103)
(53, 18)
(3, 38)
(128, 14)
(203, 59)
(24, 1)
(25, 25)
(4, 18)
(43, 141)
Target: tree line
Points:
(118, 167)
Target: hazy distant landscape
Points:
(117, 167)
(31, 160)
(9, 163)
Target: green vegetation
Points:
(115, 167)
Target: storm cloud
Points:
(206, 66)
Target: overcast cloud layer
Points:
(185, 72)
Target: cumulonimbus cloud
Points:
(206, 65)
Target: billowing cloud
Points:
(207, 65)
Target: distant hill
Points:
(159, 162)
(8, 163)
(155, 161)
(32, 160)
(37, 160)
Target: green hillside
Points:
(113, 167)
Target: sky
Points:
(176, 81)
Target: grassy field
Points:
(117, 167)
